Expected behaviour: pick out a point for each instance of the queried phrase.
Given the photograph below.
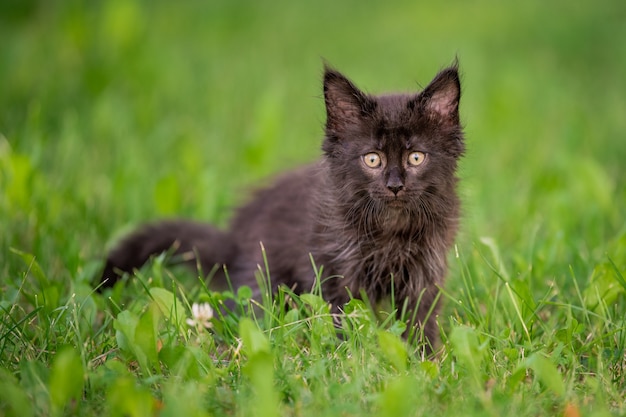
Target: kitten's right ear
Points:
(441, 97)
(345, 103)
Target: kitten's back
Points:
(279, 218)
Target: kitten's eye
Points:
(372, 160)
(416, 158)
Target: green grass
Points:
(115, 113)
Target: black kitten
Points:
(378, 212)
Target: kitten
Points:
(378, 212)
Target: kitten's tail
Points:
(195, 243)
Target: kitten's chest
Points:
(376, 267)
(383, 260)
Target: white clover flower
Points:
(201, 315)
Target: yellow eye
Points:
(416, 158)
(372, 160)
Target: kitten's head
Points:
(395, 152)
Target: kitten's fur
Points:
(366, 226)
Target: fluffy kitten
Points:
(378, 212)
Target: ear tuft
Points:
(441, 97)
(345, 103)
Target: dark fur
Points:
(362, 225)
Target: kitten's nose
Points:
(395, 188)
(394, 182)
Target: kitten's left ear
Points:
(441, 97)
(345, 103)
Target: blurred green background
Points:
(117, 112)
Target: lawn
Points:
(115, 113)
